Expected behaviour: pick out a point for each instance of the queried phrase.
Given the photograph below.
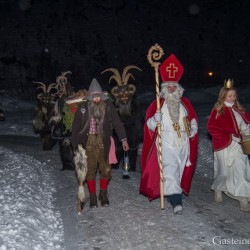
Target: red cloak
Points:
(150, 179)
(222, 127)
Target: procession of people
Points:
(170, 141)
(107, 127)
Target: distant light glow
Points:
(210, 73)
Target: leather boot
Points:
(93, 200)
(103, 197)
(244, 205)
(218, 196)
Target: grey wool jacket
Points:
(81, 124)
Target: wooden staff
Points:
(155, 53)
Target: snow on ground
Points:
(18, 116)
(31, 189)
(28, 218)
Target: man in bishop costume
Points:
(179, 138)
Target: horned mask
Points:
(61, 83)
(122, 81)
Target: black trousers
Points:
(175, 199)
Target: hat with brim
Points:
(95, 90)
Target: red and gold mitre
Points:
(171, 69)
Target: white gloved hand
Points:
(158, 116)
(194, 128)
(247, 130)
(192, 133)
(236, 139)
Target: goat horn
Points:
(65, 73)
(125, 72)
(51, 86)
(42, 86)
(132, 89)
(61, 80)
(125, 80)
(114, 91)
(39, 96)
(116, 76)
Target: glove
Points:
(246, 131)
(158, 117)
(193, 128)
(236, 139)
(192, 133)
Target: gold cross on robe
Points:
(176, 127)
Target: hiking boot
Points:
(104, 198)
(93, 201)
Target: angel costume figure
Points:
(228, 124)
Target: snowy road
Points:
(131, 222)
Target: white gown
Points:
(231, 167)
(175, 150)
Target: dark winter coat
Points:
(80, 126)
(134, 125)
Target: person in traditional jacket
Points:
(179, 126)
(227, 124)
(92, 129)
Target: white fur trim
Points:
(80, 161)
(74, 100)
(165, 84)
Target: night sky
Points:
(40, 39)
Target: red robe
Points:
(150, 178)
(222, 127)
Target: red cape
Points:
(150, 179)
(222, 127)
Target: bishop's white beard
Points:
(173, 101)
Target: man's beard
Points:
(95, 108)
(173, 101)
(124, 109)
(98, 111)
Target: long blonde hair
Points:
(222, 97)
